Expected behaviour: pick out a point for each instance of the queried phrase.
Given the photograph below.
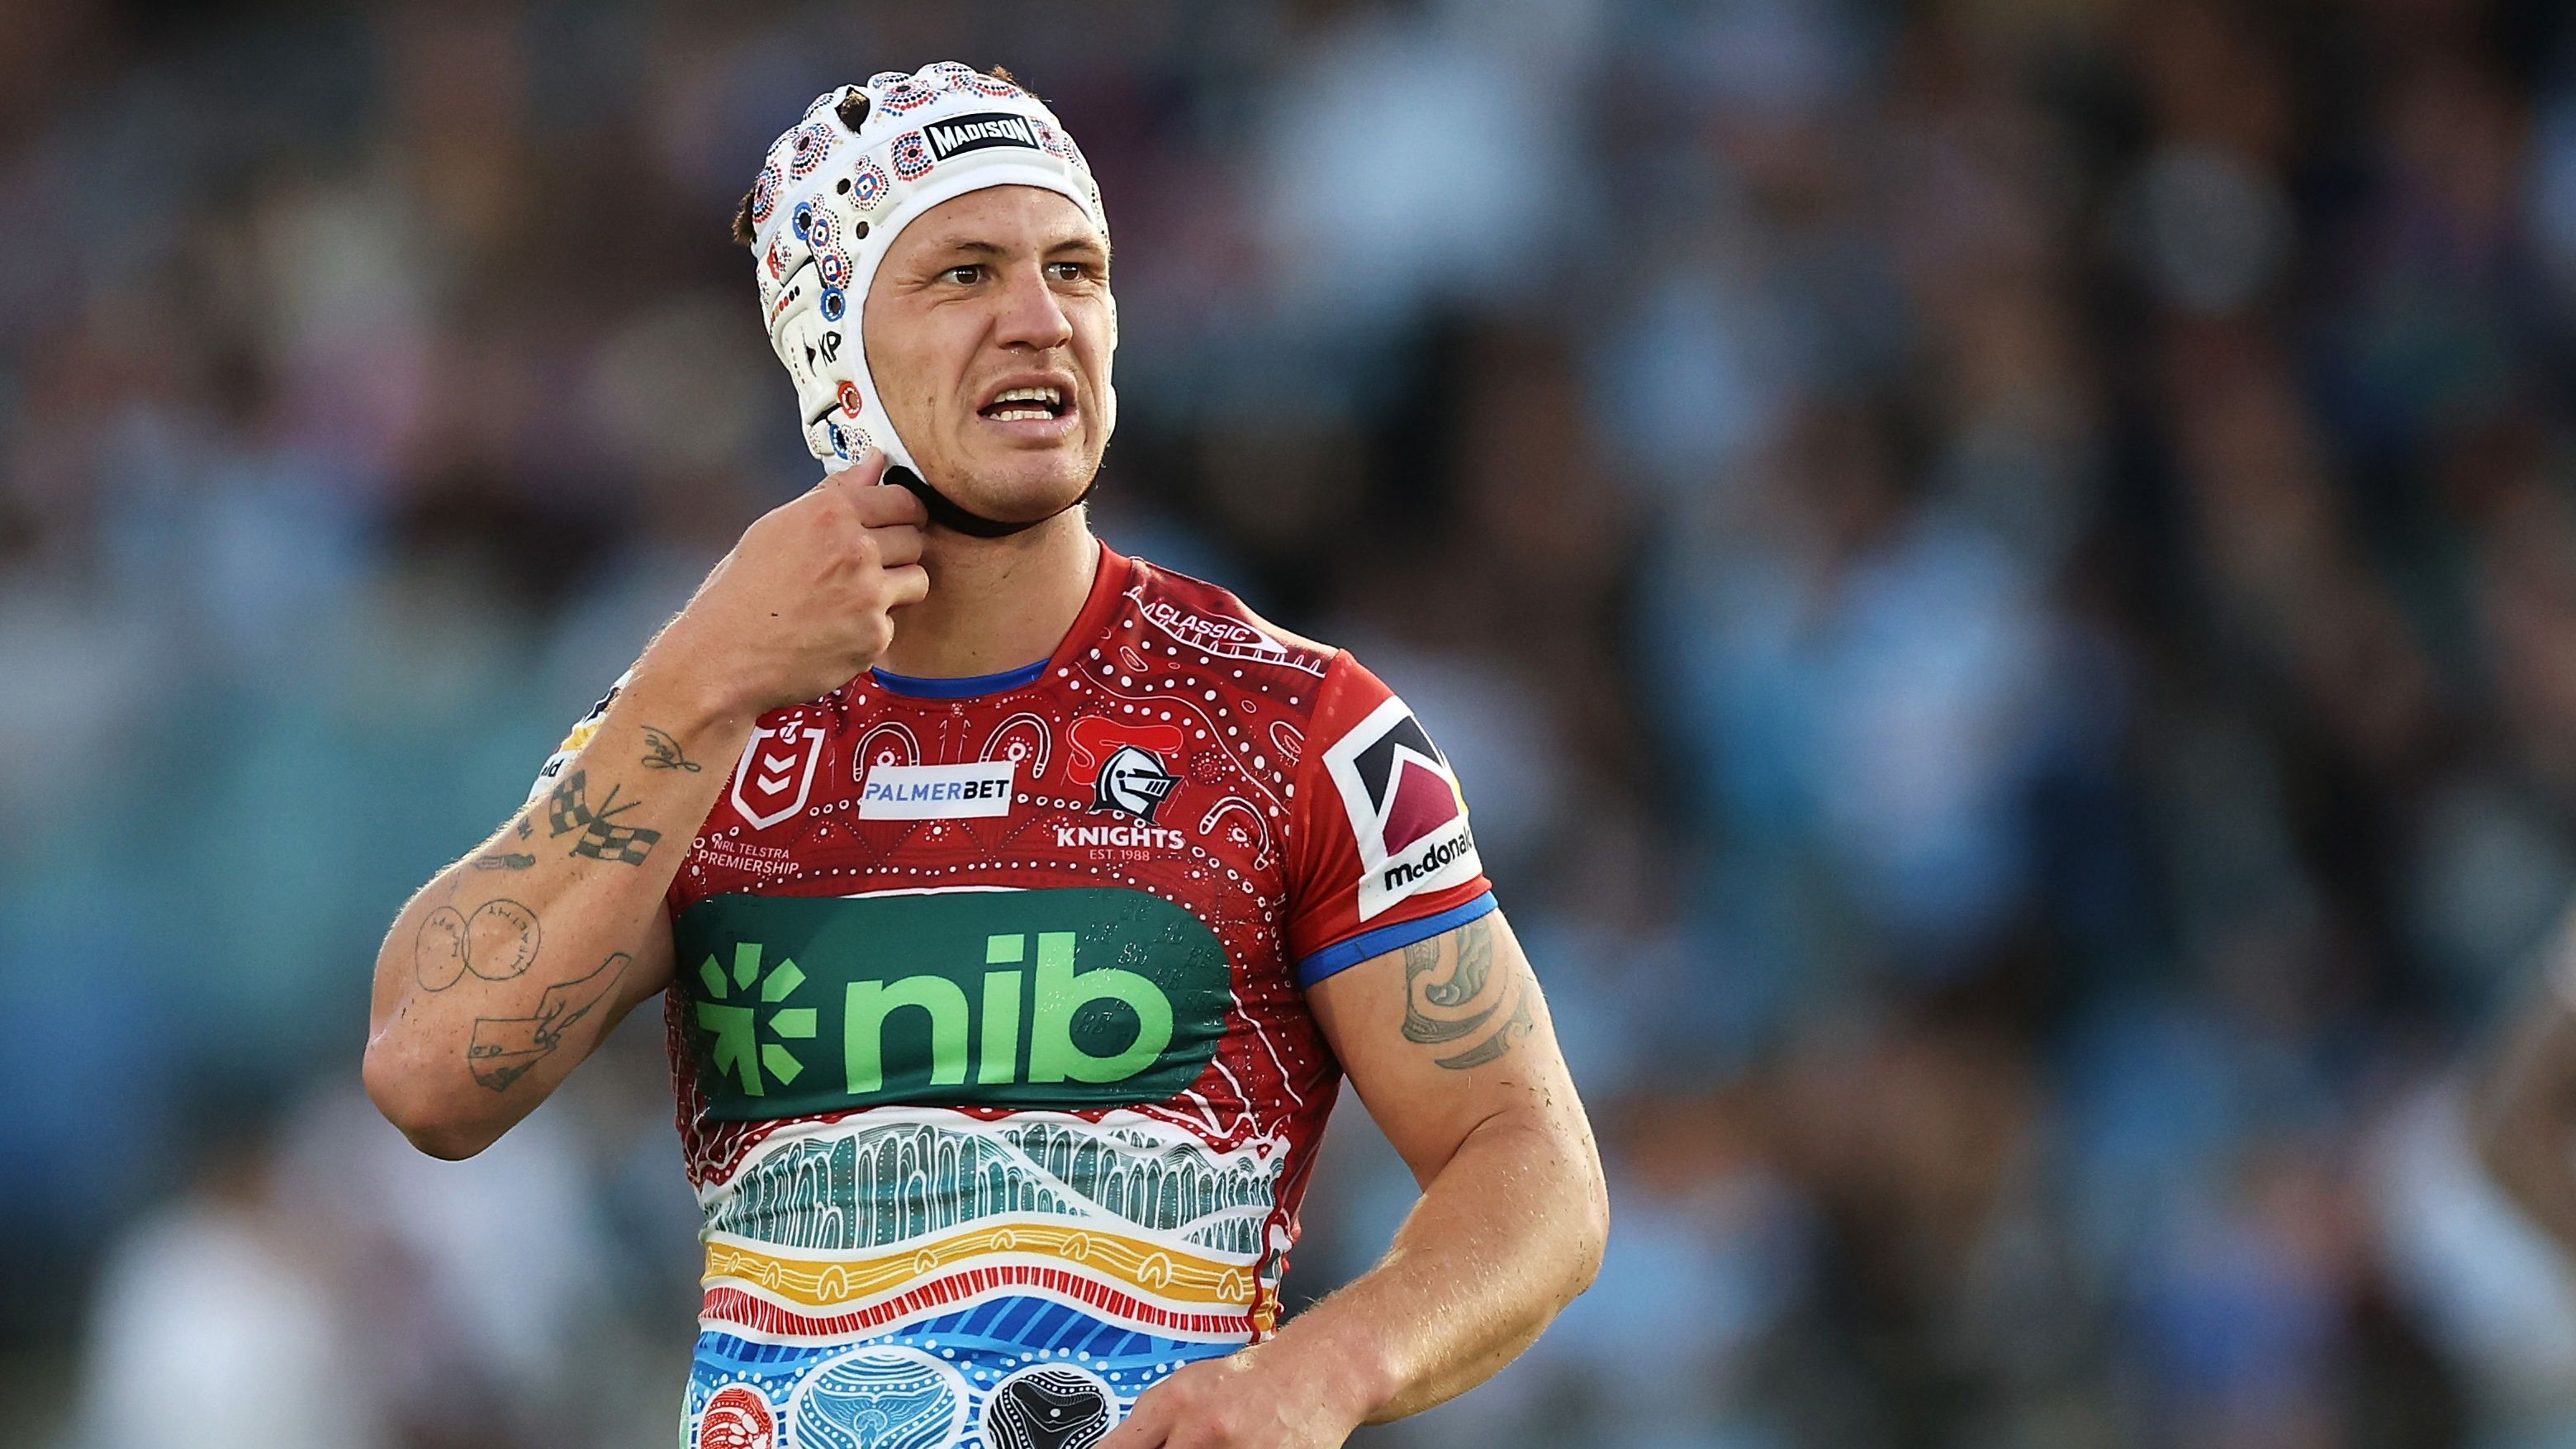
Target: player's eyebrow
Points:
(964, 246)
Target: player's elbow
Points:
(1577, 1209)
(1592, 1228)
(427, 1118)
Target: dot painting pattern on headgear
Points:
(841, 184)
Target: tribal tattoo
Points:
(504, 1048)
(1439, 1010)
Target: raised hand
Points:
(804, 602)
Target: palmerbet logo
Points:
(1058, 1041)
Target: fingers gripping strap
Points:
(947, 514)
(834, 192)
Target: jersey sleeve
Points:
(582, 730)
(1380, 853)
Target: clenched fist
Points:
(804, 602)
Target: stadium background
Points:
(2001, 575)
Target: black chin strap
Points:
(945, 514)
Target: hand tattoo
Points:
(504, 861)
(504, 1048)
(1465, 1000)
(663, 752)
(496, 943)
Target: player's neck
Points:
(995, 603)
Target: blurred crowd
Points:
(2000, 574)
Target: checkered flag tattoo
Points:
(568, 810)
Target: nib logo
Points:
(737, 1048)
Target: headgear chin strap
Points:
(836, 190)
(945, 512)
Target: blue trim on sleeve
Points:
(966, 688)
(1345, 954)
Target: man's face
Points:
(981, 299)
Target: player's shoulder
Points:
(1190, 619)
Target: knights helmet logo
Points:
(1134, 780)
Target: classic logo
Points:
(776, 773)
(938, 792)
(1404, 807)
(1053, 998)
(975, 132)
(1222, 637)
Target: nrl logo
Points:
(776, 773)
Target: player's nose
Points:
(1032, 314)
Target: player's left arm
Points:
(1449, 1045)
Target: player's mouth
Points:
(1039, 410)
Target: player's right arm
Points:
(2525, 1100)
(504, 971)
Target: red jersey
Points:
(995, 1072)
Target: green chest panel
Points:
(797, 1005)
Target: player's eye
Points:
(965, 274)
(1068, 271)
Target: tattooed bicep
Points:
(1457, 1004)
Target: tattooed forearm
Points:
(568, 810)
(663, 752)
(504, 1048)
(523, 828)
(496, 943)
(1461, 1005)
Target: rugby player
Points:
(1017, 906)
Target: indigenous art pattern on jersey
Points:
(995, 1073)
